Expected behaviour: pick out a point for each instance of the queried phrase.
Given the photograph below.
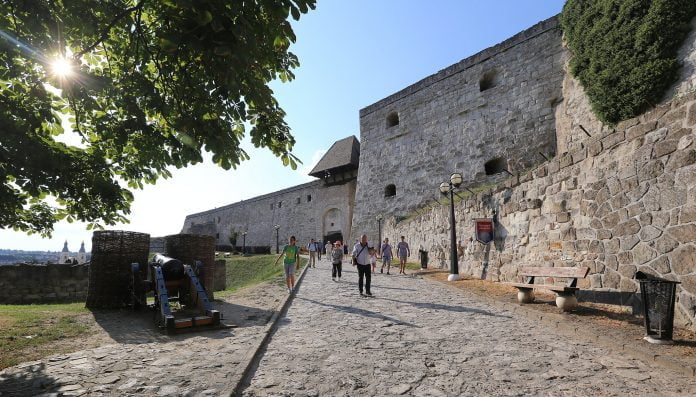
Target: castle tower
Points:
(82, 254)
(65, 253)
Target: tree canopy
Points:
(147, 85)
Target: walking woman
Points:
(336, 256)
(290, 263)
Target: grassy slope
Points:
(249, 270)
(27, 331)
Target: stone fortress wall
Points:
(620, 201)
(24, 283)
(495, 107)
(310, 210)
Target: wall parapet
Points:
(52, 283)
(466, 63)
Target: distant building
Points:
(67, 257)
(82, 254)
(64, 254)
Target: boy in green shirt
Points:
(290, 263)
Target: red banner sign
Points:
(484, 230)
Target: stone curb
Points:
(586, 334)
(253, 356)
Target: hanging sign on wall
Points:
(484, 230)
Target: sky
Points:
(352, 54)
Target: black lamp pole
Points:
(277, 227)
(449, 187)
(379, 234)
(244, 243)
(454, 260)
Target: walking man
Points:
(318, 248)
(404, 252)
(312, 248)
(362, 261)
(290, 263)
(328, 250)
(386, 255)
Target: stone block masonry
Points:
(623, 201)
(491, 112)
(43, 283)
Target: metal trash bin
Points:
(423, 258)
(658, 296)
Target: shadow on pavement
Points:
(439, 306)
(137, 327)
(373, 285)
(30, 381)
(360, 312)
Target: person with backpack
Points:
(291, 262)
(336, 255)
(361, 259)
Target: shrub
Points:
(624, 52)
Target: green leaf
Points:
(204, 17)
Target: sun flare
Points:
(61, 67)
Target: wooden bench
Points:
(565, 294)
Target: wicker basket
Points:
(189, 248)
(113, 251)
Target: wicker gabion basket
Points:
(113, 251)
(189, 248)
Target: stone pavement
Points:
(142, 361)
(416, 337)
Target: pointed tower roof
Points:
(344, 155)
(65, 247)
(82, 247)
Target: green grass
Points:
(27, 331)
(244, 271)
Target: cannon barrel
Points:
(172, 268)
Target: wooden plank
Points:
(565, 272)
(555, 288)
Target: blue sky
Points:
(352, 54)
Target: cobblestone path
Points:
(416, 337)
(144, 362)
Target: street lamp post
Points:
(379, 233)
(448, 188)
(277, 227)
(244, 243)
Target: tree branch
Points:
(106, 31)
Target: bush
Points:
(624, 52)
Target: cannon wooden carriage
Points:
(172, 281)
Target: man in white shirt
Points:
(361, 259)
(327, 250)
(312, 248)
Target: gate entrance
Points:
(333, 237)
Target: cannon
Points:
(173, 281)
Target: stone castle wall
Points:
(329, 209)
(43, 283)
(622, 201)
(447, 124)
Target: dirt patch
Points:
(608, 320)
